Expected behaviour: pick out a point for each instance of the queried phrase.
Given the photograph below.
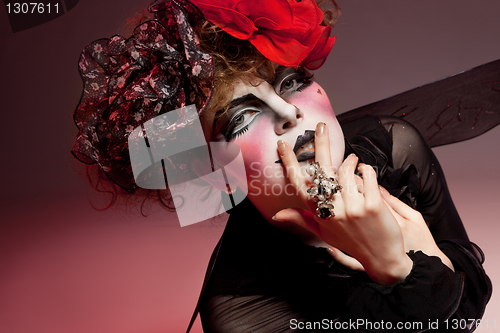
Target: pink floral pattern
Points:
(130, 81)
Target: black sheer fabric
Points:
(266, 280)
(453, 109)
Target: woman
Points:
(271, 270)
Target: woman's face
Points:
(261, 114)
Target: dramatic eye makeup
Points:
(244, 110)
(290, 80)
(240, 120)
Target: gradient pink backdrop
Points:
(65, 267)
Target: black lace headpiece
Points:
(127, 82)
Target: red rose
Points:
(287, 32)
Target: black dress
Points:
(266, 280)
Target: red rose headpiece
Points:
(287, 32)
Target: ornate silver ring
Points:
(322, 190)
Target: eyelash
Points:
(231, 136)
(237, 134)
(306, 82)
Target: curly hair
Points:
(237, 59)
(234, 60)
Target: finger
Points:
(301, 217)
(400, 219)
(386, 196)
(359, 183)
(370, 184)
(397, 205)
(322, 148)
(292, 167)
(345, 260)
(346, 178)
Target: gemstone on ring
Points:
(311, 170)
(325, 210)
(322, 190)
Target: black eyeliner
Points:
(301, 76)
(227, 132)
(306, 82)
(235, 135)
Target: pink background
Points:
(65, 267)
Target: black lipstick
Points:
(302, 140)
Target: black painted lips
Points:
(302, 140)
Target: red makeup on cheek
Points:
(313, 99)
(252, 149)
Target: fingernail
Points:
(352, 155)
(320, 129)
(282, 147)
(383, 190)
(361, 166)
(331, 251)
(274, 218)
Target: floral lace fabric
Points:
(127, 82)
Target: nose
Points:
(287, 115)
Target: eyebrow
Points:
(240, 100)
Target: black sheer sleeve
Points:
(435, 204)
(268, 281)
(433, 199)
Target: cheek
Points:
(314, 98)
(253, 148)
(259, 149)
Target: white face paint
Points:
(262, 114)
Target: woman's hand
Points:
(416, 234)
(363, 225)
